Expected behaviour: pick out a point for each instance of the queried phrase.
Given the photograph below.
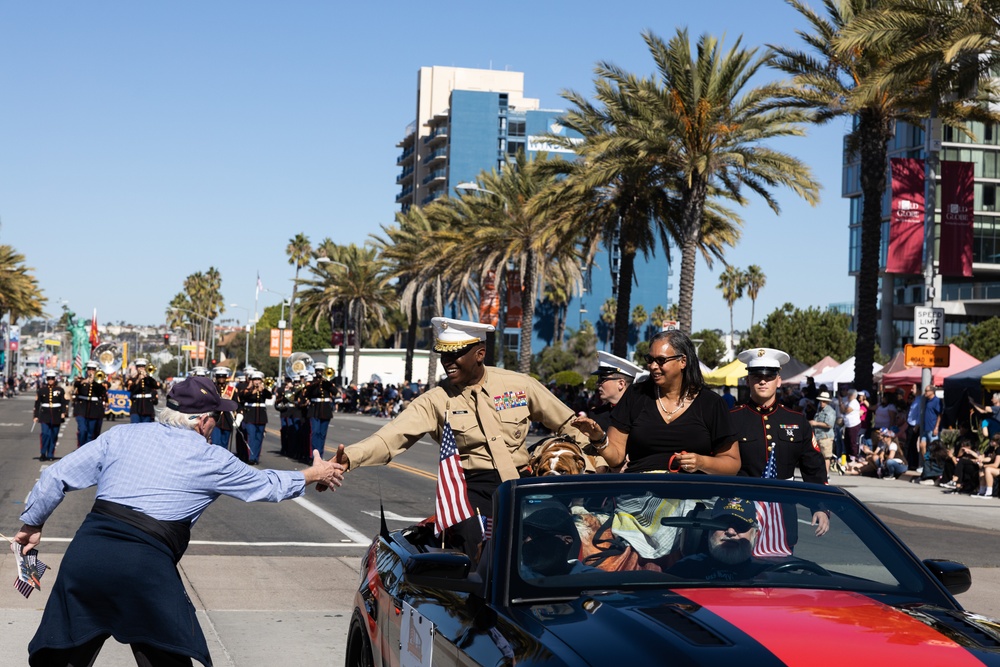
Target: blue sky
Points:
(141, 142)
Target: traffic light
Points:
(166, 339)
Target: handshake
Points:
(326, 473)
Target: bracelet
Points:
(601, 444)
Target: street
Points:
(273, 581)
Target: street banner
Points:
(119, 402)
(489, 300)
(281, 346)
(513, 300)
(906, 222)
(956, 219)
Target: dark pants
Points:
(87, 430)
(319, 428)
(255, 440)
(50, 433)
(852, 436)
(85, 655)
(220, 437)
(140, 419)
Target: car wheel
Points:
(359, 649)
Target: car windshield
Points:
(583, 537)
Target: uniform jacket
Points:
(143, 392)
(51, 406)
(89, 399)
(758, 429)
(252, 405)
(320, 394)
(490, 422)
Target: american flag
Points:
(30, 570)
(452, 499)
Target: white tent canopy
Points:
(842, 374)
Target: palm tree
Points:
(858, 78)
(510, 224)
(356, 279)
(299, 252)
(755, 281)
(20, 295)
(639, 318)
(714, 131)
(609, 311)
(732, 282)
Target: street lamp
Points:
(246, 354)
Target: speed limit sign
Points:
(928, 326)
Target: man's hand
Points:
(822, 523)
(325, 473)
(29, 537)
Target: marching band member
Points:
(320, 393)
(90, 400)
(50, 411)
(255, 414)
(142, 390)
(223, 430)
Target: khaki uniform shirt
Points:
(490, 422)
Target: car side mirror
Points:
(955, 576)
(449, 570)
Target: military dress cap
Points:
(319, 366)
(609, 364)
(141, 362)
(257, 375)
(91, 364)
(453, 335)
(743, 510)
(199, 371)
(221, 371)
(51, 375)
(763, 360)
(198, 395)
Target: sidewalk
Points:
(255, 611)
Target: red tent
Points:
(960, 361)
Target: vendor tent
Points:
(991, 381)
(726, 376)
(895, 365)
(959, 361)
(842, 374)
(792, 368)
(800, 378)
(969, 380)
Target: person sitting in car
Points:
(730, 549)
(550, 544)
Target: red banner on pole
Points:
(906, 222)
(513, 300)
(957, 194)
(489, 300)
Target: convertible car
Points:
(666, 570)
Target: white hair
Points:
(169, 417)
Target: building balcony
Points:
(437, 135)
(436, 175)
(405, 176)
(437, 155)
(407, 156)
(405, 195)
(978, 291)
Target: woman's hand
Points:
(589, 428)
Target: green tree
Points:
(755, 281)
(658, 317)
(980, 340)
(808, 335)
(714, 135)
(711, 348)
(857, 66)
(609, 310)
(20, 295)
(299, 252)
(732, 282)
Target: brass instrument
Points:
(298, 363)
(108, 357)
(329, 373)
(150, 370)
(269, 383)
(100, 377)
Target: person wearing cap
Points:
(50, 410)
(119, 574)
(775, 440)
(489, 410)
(669, 422)
(823, 424)
(143, 393)
(730, 546)
(614, 376)
(223, 430)
(90, 400)
(254, 410)
(319, 393)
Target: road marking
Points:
(10, 424)
(360, 539)
(211, 543)
(415, 471)
(392, 516)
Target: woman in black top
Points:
(669, 416)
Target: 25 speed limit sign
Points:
(928, 326)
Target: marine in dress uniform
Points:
(320, 394)
(51, 409)
(489, 410)
(254, 409)
(142, 391)
(223, 430)
(90, 400)
(773, 441)
(614, 376)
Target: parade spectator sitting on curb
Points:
(990, 470)
(894, 460)
(937, 464)
(966, 462)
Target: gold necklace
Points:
(669, 415)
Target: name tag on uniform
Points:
(459, 412)
(510, 399)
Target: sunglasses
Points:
(659, 361)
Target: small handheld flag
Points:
(29, 570)
(452, 498)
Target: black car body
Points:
(854, 596)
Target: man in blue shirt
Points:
(119, 576)
(930, 425)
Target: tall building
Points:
(471, 120)
(965, 301)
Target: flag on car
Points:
(452, 498)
